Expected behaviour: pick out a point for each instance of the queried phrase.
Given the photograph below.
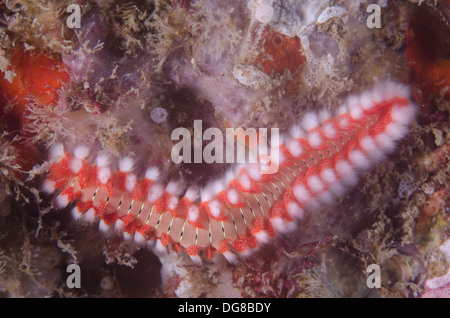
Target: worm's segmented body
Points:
(318, 160)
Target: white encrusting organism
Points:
(262, 10)
(158, 115)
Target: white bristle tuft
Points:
(57, 152)
(324, 115)
(237, 169)
(347, 173)
(175, 188)
(230, 257)
(233, 196)
(245, 182)
(215, 208)
(126, 164)
(296, 132)
(160, 248)
(264, 165)
(368, 144)
(192, 194)
(196, 259)
(89, 216)
(314, 139)
(76, 165)
(294, 148)
(105, 229)
(155, 192)
(279, 224)
(130, 182)
(103, 175)
(193, 213)
(172, 203)
(344, 122)
(385, 142)
(329, 130)
(48, 186)
(262, 237)
(326, 197)
(396, 130)
(403, 114)
(128, 237)
(102, 161)
(81, 152)
(310, 121)
(315, 184)
(328, 175)
(356, 112)
(139, 239)
(337, 188)
(152, 174)
(378, 92)
(301, 194)
(228, 177)
(246, 253)
(366, 101)
(254, 171)
(217, 186)
(118, 227)
(282, 226)
(343, 109)
(151, 244)
(206, 194)
(280, 160)
(313, 204)
(76, 215)
(393, 90)
(359, 159)
(295, 211)
(371, 148)
(402, 90)
(62, 201)
(351, 102)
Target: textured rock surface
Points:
(231, 64)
